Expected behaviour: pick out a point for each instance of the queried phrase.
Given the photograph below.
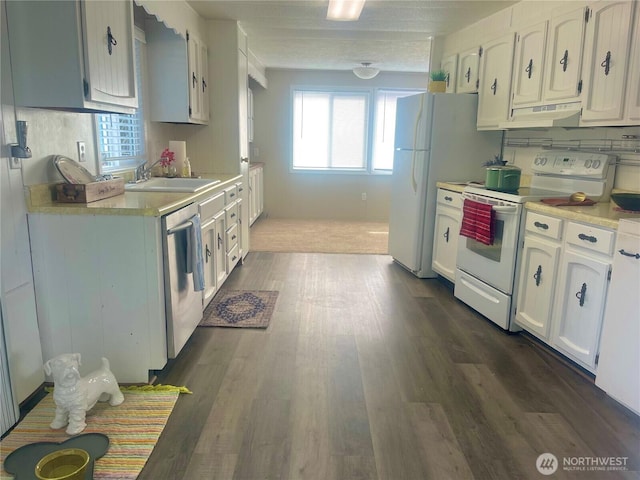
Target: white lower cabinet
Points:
(580, 307)
(447, 228)
(563, 285)
(256, 199)
(537, 285)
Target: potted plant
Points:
(438, 83)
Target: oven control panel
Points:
(579, 164)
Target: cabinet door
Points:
(109, 53)
(445, 243)
(537, 285)
(253, 173)
(578, 312)
(193, 55)
(209, 245)
(606, 56)
(467, 76)
(204, 82)
(220, 248)
(450, 65)
(564, 57)
(494, 91)
(529, 64)
(632, 104)
(260, 189)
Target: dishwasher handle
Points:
(179, 228)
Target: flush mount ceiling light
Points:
(344, 10)
(366, 71)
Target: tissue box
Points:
(89, 192)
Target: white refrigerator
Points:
(435, 140)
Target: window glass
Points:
(329, 130)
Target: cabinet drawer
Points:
(232, 258)
(232, 214)
(230, 195)
(589, 237)
(549, 227)
(211, 206)
(232, 237)
(447, 197)
(240, 189)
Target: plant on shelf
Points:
(438, 83)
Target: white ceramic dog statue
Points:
(75, 395)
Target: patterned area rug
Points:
(240, 308)
(133, 428)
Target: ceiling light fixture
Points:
(366, 71)
(344, 10)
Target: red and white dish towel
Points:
(478, 221)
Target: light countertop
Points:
(605, 214)
(40, 199)
(452, 186)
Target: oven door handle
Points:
(507, 210)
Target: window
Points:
(120, 141)
(332, 130)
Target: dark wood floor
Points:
(367, 372)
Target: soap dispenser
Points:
(186, 168)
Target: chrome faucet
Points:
(143, 173)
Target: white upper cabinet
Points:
(564, 57)
(467, 76)
(178, 74)
(632, 104)
(494, 91)
(606, 58)
(73, 55)
(529, 64)
(450, 65)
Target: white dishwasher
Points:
(183, 304)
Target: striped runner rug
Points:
(133, 428)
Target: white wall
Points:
(311, 195)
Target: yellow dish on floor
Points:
(67, 464)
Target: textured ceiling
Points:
(393, 35)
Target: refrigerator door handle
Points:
(414, 182)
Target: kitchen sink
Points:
(163, 184)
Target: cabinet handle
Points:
(627, 254)
(494, 86)
(538, 275)
(194, 79)
(233, 215)
(581, 294)
(204, 84)
(446, 235)
(468, 75)
(448, 199)
(543, 226)
(233, 237)
(207, 253)
(446, 79)
(219, 241)
(111, 41)
(564, 61)
(587, 238)
(529, 68)
(606, 63)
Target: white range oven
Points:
(486, 273)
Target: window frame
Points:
(372, 94)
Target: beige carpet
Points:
(318, 236)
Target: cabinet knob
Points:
(564, 61)
(543, 226)
(111, 41)
(606, 63)
(538, 275)
(448, 199)
(581, 294)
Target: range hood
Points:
(545, 116)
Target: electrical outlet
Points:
(364, 196)
(14, 163)
(82, 152)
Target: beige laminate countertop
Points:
(605, 214)
(452, 186)
(40, 199)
